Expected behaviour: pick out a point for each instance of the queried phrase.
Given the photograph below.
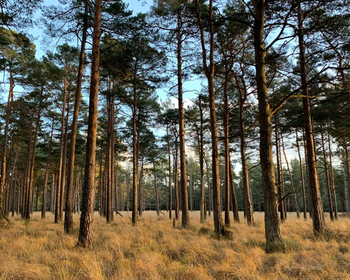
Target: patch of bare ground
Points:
(155, 249)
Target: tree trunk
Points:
(280, 188)
(245, 173)
(14, 182)
(135, 159)
(68, 219)
(332, 178)
(301, 175)
(27, 170)
(176, 184)
(4, 148)
(28, 209)
(61, 156)
(272, 225)
(43, 207)
(315, 195)
(156, 189)
(209, 189)
(53, 194)
(328, 184)
(201, 164)
(291, 181)
(347, 176)
(170, 175)
(233, 195)
(140, 192)
(110, 161)
(183, 175)
(64, 165)
(209, 72)
(228, 182)
(86, 219)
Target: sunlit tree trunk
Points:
(227, 155)
(209, 72)
(86, 219)
(68, 219)
(183, 174)
(4, 148)
(272, 224)
(279, 173)
(314, 187)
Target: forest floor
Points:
(154, 249)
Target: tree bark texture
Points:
(314, 187)
(68, 219)
(272, 224)
(85, 233)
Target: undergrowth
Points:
(154, 249)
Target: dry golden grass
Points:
(155, 250)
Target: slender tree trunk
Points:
(43, 207)
(332, 178)
(328, 184)
(4, 148)
(140, 192)
(183, 175)
(27, 170)
(110, 161)
(86, 219)
(156, 189)
(245, 173)
(291, 181)
(301, 175)
(101, 191)
(135, 161)
(176, 184)
(28, 209)
(201, 163)
(53, 194)
(127, 193)
(233, 195)
(227, 156)
(272, 225)
(14, 182)
(281, 193)
(68, 219)
(64, 165)
(347, 170)
(209, 189)
(315, 195)
(170, 175)
(209, 72)
(61, 155)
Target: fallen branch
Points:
(116, 211)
